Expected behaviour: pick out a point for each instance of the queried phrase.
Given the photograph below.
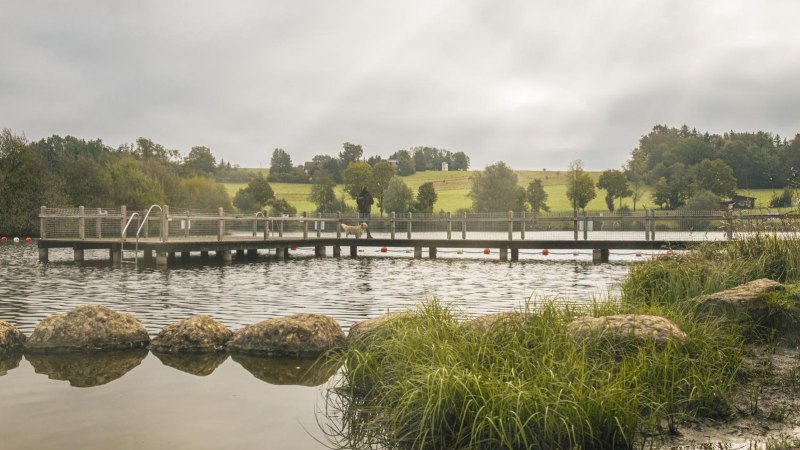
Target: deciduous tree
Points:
(495, 189)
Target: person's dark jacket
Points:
(364, 202)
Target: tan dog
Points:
(355, 230)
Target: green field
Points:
(453, 191)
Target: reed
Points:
(428, 381)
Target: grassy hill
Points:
(453, 190)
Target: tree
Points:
(426, 198)
(350, 153)
(636, 172)
(356, 177)
(661, 193)
(253, 197)
(615, 185)
(460, 161)
(279, 206)
(280, 165)
(495, 189)
(131, 186)
(405, 163)
(323, 195)
(398, 196)
(536, 196)
(202, 193)
(715, 176)
(580, 190)
(201, 161)
(382, 173)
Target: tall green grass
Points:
(427, 381)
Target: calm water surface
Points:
(143, 400)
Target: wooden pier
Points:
(161, 235)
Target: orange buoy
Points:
(545, 252)
(486, 251)
(384, 249)
(28, 240)
(293, 248)
(3, 239)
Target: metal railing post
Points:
(338, 225)
(393, 224)
(464, 227)
(585, 227)
(575, 223)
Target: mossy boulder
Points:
(636, 327)
(196, 334)
(365, 327)
(88, 328)
(747, 302)
(300, 335)
(11, 339)
(492, 322)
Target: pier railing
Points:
(644, 225)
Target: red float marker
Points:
(384, 249)
(545, 252)
(486, 251)
(28, 240)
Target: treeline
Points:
(681, 163)
(67, 171)
(405, 162)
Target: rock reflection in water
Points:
(86, 369)
(9, 361)
(200, 364)
(282, 371)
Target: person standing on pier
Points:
(364, 202)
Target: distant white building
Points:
(444, 166)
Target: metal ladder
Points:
(138, 231)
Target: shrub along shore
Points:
(540, 378)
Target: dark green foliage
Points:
(282, 170)
(426, 198)
(255, 196)
(495, 190)
(536, 196)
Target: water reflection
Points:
(200, 364)
(86, 369)
(9, 361)
(300, 372)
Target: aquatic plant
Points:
(429, 380)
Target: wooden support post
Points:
(305, 225)
(464, 227)
(280, 253)
(44, 254)
(432, 252)
(227, 255)
(503, 253)
(42, 224)
(392, 225)
(417, 252)
(81, 223)
(510, 225)
(320, 224)
(652, 225)
(320, 251)
(77, 254)
(337, 251)
(449, 226)
(123, 212)
(338, 229)
(585, 227)
(575, 223)
(353, 251)
(98, 227)
(646, 225)
(410, 217)
(266, 228)
(521, 229)
(280, 227)
(185, 256)
(600, 255)
(116, 254)
(728, 226)
(161, 259)
(514, 254)
(164, 224)
(220, 224)
(147, 256)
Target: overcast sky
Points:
(532, 83)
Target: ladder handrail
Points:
(144, 221)
(123, 235)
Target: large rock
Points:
(744, 302)
(196, 334)
(491, 322)
(364, 327)
(301, 335)
(88, 328)
(11, 339)
(628, 326)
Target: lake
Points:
(143, 400)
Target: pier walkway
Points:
(161, 234)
